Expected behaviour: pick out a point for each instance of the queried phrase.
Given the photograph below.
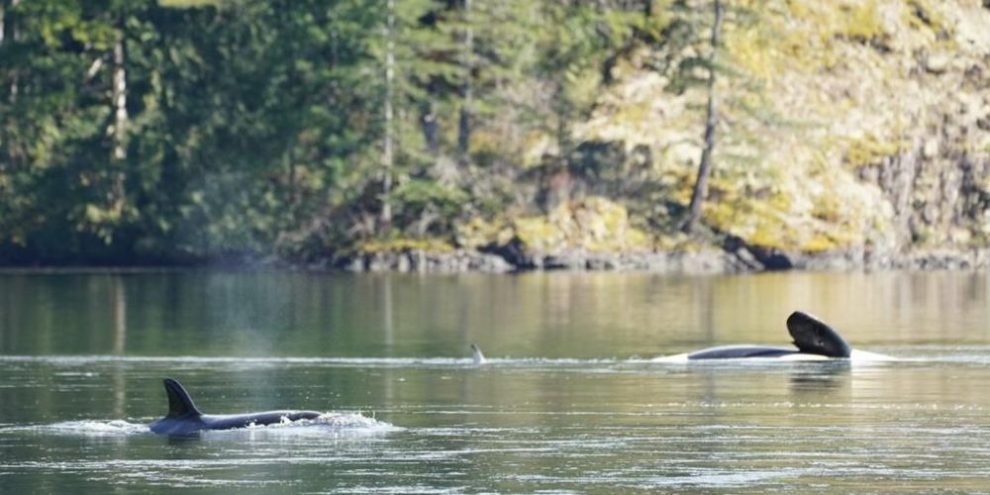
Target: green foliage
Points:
(257, 128)
(236, 132)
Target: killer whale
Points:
(184, 418)
(476, 356)
(813, 339)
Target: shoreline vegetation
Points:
(679, 136)
(731, 258)
(700, 262)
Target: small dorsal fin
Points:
(179, 402)
(476, 355)
(813, 336)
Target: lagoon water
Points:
(568, 402)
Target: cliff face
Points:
(852, 125)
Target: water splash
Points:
(85, 428)
(332, 423)
(337, 424)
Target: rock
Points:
(930, 148)
(514, 252)
(568, 260)
(379, 262)
(401, 263)
(490, 264)
(937, 63)
(740, 259)
(355, 264)
(605, 262)
(417, 261)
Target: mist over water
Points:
(569, 400)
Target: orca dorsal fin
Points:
(476, 355)
(179, 402)
(813, 336)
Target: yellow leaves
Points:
(870, 150)
(808, 38)
(537, 144)
(478, 232)
(755, 48)
(862, 22)
(593, 224)
(96, 214)
(800, 211)
(539, 233)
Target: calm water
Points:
(569, 401)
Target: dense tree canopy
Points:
(132, 131)
(177, 131)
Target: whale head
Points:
(813, 336)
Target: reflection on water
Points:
(537, 315)
(569, 401)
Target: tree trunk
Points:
(387, 151)
(430, 129)
(119, 96)
(10, 26)
(291, 165)
(711, 121)
(118, 129)
(464, 124)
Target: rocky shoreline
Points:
(701, 261)
(729, 259)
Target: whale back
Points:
(813, 336)
(740, 352)
(179, 402)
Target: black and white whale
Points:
(184, 418)
(813, 340)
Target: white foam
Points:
(856, 357)
(335, 423)
(676, 358)
(86, 428)
(338, 421)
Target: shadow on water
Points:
(829, 375)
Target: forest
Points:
(143, 132)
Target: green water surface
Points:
(568, 402)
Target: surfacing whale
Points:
(813, 339)
(184, 418)
(476, 356)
